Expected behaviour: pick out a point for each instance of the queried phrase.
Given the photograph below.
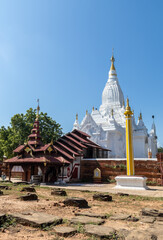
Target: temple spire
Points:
(38, 109)
(112, 68)
(140, 116)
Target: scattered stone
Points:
(160, 219)
(58, 192)
(89, 214)
(123, 194)
(36, 219)
(65, 231)
(5, 187)
(1, 192)
(102, 197)
(120, 217)
(2, 218)
(133, 219)
(100, 231)
(21, 182)
(28, 189)
(76, 202)
(147, 219)
(150, 212)
(86, 220)
(29, 197)
(160, 213)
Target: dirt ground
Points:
(10, 203)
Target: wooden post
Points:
(10, 167)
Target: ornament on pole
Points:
(38, 109)
(129, 141)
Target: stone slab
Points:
(86, 220)
(120, 217)
(131, 182)
(2, 217)
(147, 219)
(90, 214)
(102, 197)
(150, 212)
(36, 219)
(29, 197)
(100, 231)
(58, 192)
(76, 202)
(28, 189)
(65, 231)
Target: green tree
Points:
(20, 128)
(160, 149)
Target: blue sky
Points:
(59, 51)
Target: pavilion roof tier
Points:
(71, 144)
(35, 137)
(74, 141)
(86, 139)
(43, 159)
(63, 153)
(66, 149)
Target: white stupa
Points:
(106, 126)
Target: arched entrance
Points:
(51, 175)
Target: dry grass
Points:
(9, 203)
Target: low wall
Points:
(110, 168)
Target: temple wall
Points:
(110, 168)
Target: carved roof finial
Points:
(140, 116)
(112, 60)
(38, 109)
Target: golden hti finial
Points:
(112, 112)
(86, 112)
(112, 61)
(128, 109)
(76, 117)
(140, 116)
(93, 109)
(38, 109)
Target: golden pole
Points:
(129, 141)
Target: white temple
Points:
(106, 126)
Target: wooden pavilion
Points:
(54, 161)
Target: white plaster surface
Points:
(131, 182)
(106, 126)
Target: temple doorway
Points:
(51, 175)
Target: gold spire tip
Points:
(140, 116)
(112, 62)
(76, 116)
(38, 109)
(86, 112)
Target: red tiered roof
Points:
(62, 151)
(34, 137)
